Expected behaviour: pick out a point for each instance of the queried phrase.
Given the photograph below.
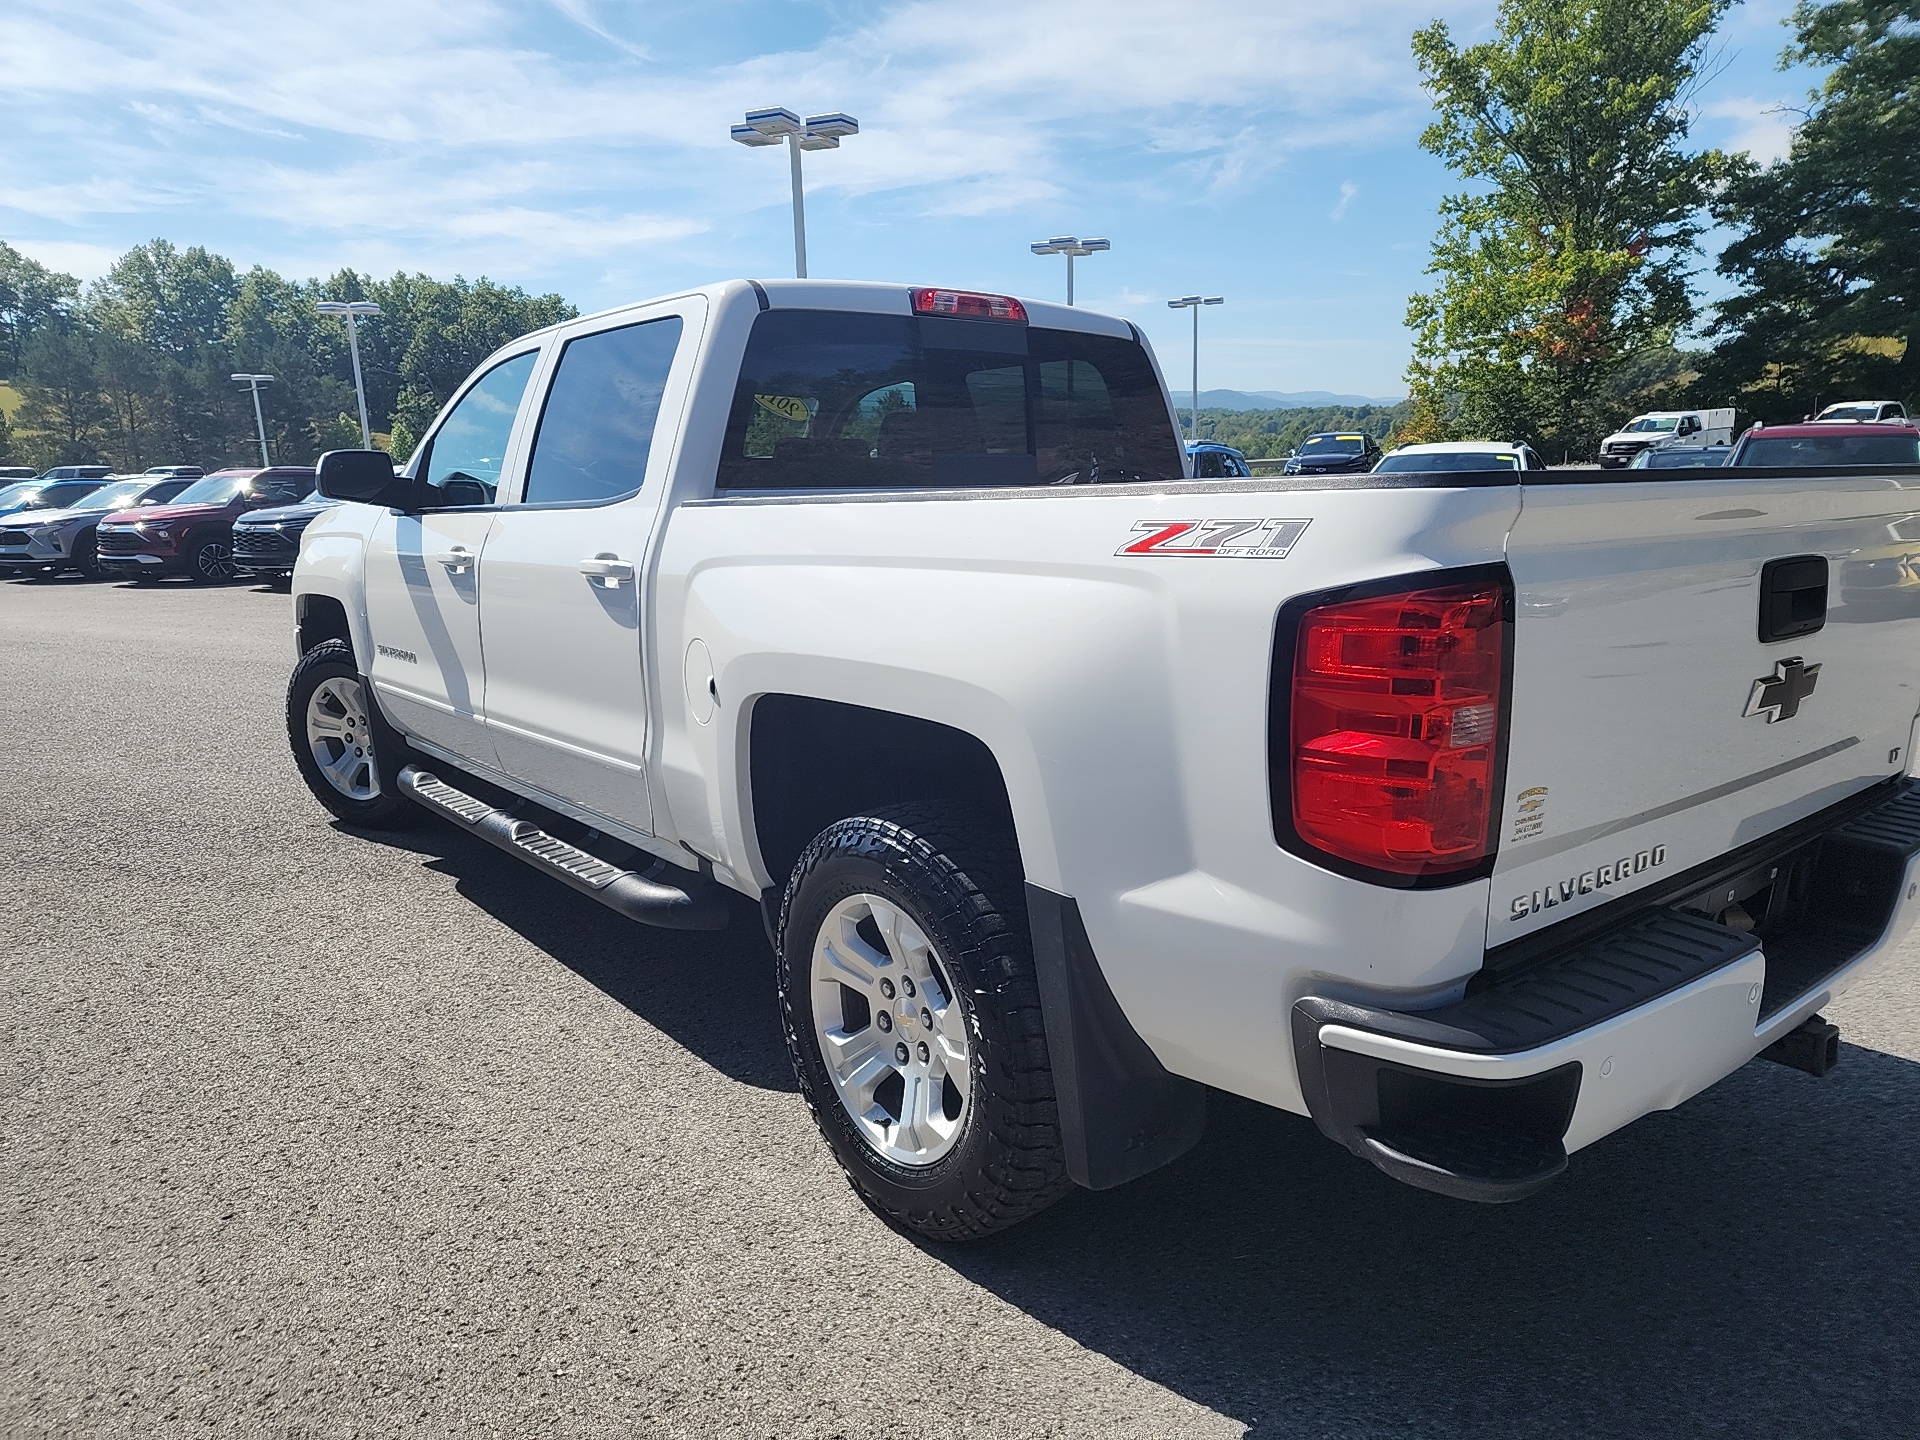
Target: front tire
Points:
(330, 726)
(912, 1015)
(210, 561)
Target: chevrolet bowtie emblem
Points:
(1778, 696)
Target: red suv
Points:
(193, 536)
(1821, 443)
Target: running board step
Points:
(685, 902)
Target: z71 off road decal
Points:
(1243, 539)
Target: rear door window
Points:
(832, 400)
(597, 428)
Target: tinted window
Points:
(464, 457)
(598, 424)
(1842, 449)
(112, 497)
(64, 492)
(282, 487)
(214, 490)
(1333, 445)
(1452, 460)
(1678, 459)
(828, 400)
(1210, 465)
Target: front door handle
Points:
(458, 560)
(607, 570)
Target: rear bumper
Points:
(1484, 1099)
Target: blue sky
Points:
(1260, 149)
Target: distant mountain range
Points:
(1278, 399)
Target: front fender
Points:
(332, 563)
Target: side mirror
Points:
(366, 476)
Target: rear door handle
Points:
(607, 570)
(459, 559)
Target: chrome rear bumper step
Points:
(662, 894)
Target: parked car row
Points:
(209, 528)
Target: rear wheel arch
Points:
(811, 762)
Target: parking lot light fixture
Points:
(354, 311)
(1070, 246)
(1193, 303)
(253, 384)
(777, 126)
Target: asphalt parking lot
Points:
(307, 1134)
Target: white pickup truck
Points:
(1658, 429)
(1471, 814)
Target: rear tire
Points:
(933, 890)
(330, 728)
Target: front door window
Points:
(464, 459)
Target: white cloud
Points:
(1347, 191)
(977, 110)
(70, 257)
(1762, 128)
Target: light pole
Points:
(354, 310)
(1193, 303)
(1069, 246)
(816, 132)
(253, 383)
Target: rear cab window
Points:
(832, 400)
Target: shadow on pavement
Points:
(712, 993)
(1748, 1264)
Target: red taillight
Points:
(1395, 728)
(968, 306)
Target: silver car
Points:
(49, 541)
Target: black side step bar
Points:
(692, 903)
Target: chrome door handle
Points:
(459, 559)
(607, 570)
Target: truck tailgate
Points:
(1652, 727)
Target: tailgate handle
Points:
(1793, 597)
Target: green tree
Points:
(63, 418)
(429, 336)
(31, 296)
(172, 305)
(1828, 252)
(1572, 253)
(1265, 434)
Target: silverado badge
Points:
(1778, 696)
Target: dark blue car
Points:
(1214, 461)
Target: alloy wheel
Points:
(213, 562)
(340, 739)
(892, 1033)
